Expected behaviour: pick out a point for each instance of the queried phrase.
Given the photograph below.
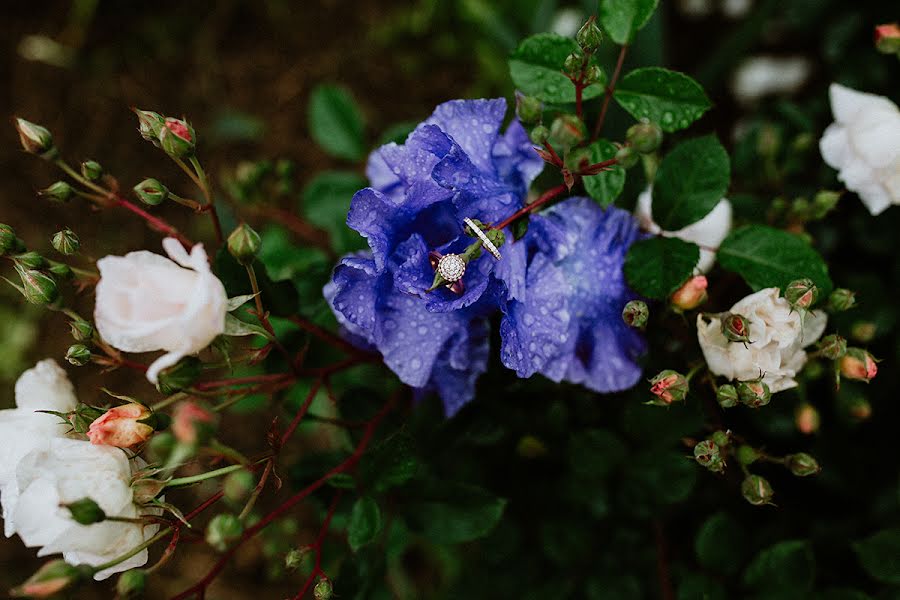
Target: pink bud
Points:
(858, 364)
(121, 427)
(690, 295)
(189, 420)
(806, 418)
(668, 386)
(179, 128)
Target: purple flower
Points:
(563, 316)
(456, 164)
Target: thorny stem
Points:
(317, 546)
(609, 92)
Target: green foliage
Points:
(279, 297)
(390, 464)
(879, 555)
(536, 69)
(451, 513)
(769, 257)
(690, 182)
(669, 98)
(604, 187)
(621, 19)
(721, 544)
(658, 266)
(784, 570)
(336, 123)
(326, 202)
(365, 523)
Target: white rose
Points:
(761, 76)
(707, 233)
(147, 302)
(22, 429)
(863, 144)
(63, 471)
(778, 335)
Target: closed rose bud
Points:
(668, 386)
(754, 393)
(589, 37)
(858, 365)
(802, 464)
(86, 511)
(721, 438)
(567, 130)
(37, 287)
(66, 242)
(31, 260)
(78, 355)
(593, 74)
(627, 157)
(60, 270)
(707, 454)
(635, 314)
(801, 294)
(644, 137)
(573, 63)
(807, 419)
(244, 244)
(122, 426)
(192, 423)
(727, 396)
(36, 139)
(91, 170)
(887, 38)
(81, 330)
(323, 590)
(151, 191)
(858, 408)
(863, 331)
(833, 346)
(539, 135)
(238, 486)
(176, 137)
(7, 239)
(150, 124)
(746, 455)
(841, 299)
(690, 295)
(293, 560)
(223, 530)
(60, 191)
(131, 584)
(528, 108)
(736, 328)
(51, 579)
(757, 490)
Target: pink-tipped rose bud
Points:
(736, 328)
(122, 426)
(51, 579)
(191, 423)
(859, 365)
(807, 419)
(176, 137)
(668, 386)
(887, 38)
(690, 295)
(801, 294)
(36, 139)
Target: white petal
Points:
(847, 103)
(45, 387)
(835, 146)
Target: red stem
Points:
(317, 546)
(662, 562)
(325, 335)
(543, 199)
(301, 412)
(268, 378)
(154, 222)
(557, 161)
(609, 92)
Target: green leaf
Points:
(720, 544)
(690, 182)
(596, 452)
(452, 513)
(621, 19)
(605, 187)
(769, 257)
(278, 297)
(669, 98)
(326, 202)
(880, 555)
(694, 586)
(536, 69)
(390, 464)
(786, 569)
(658, 266)
(365, 523)
(238, 301)
(336, 122)
(237, 328)
(342, 481)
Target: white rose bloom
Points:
(147, 302)
(22, 429)
(863, 144)
(63, 471)
(778, 335)
(708, 232)
(760, 76)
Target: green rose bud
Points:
(223, 530)
(150, 125)
(37, 287)
(86, 511)
(573, 63)
(244, 243)
(589, 37)
(754, 393)
(131, 584)
(841, 300)
(567, 130)
(802, 464)
(65, 242)
(746, 455)
(294, 559)
(635, 314)
(756, 490)
(668, 386)
(91, 170)
(31, 260)
(736, 328)
(593, 74)
(60, 191)
(151, 191)
(179, 376)
(721, 438)
(36, 139)
(833, 346)
(78, 355)
(644, 137)
(529, 109)
(238, 486)
(727, 396)
(323, 590)
(801, 294)
(61, 270)
(82, 330)
(539, 135)
(177, 138)
(707, 454)
(8, 239)
(627, 157)
(51, 579)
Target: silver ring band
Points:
(488, 244)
